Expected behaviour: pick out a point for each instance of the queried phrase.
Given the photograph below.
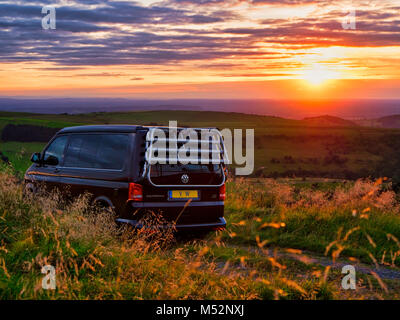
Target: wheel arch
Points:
(103, 200)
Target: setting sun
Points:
(318, 74)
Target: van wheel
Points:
(29, 190)
(103, 206)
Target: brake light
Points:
(222, 192)
(135, 192)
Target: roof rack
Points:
(164, 149)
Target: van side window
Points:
(56, 149)
(99, 151)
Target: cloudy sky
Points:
(201, 49)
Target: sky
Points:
(212, 49)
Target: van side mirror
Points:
(51, 161)
(35, 158)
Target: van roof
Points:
(111, 128)
(101, 128)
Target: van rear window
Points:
(100, 151)
(198, 174)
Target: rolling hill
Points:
(328, 121)
(391, 122)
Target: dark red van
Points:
(111, 163)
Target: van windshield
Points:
(201, 174)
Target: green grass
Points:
(310, 214)
(94, 263)
(315, 217)
(314, 232)
(95, 260)
(306, 228)
(19, 153)
(34, 121)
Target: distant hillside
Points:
(390, 122)
(89, 105)
(328, 121)
(294, 109)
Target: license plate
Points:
(183, 194)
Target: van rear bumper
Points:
(201, 215)
(220, 224)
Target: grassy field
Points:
(353, 217)
(269, 222)
(304, 148)
(287, 238)
(19, 153)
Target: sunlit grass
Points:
(312, 219)
(96, 259)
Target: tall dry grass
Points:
(268, 193)
(357, 221)
(97, 259)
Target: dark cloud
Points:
(198, 2)
(373, 28)
(102, 74)
(285, 2)
(256, 75)
(75, 43)
(254, 2)
(57, 69)
(113, 12)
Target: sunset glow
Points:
(318, 74)
(187, 48)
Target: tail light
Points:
(135, 192)
(222, 192)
